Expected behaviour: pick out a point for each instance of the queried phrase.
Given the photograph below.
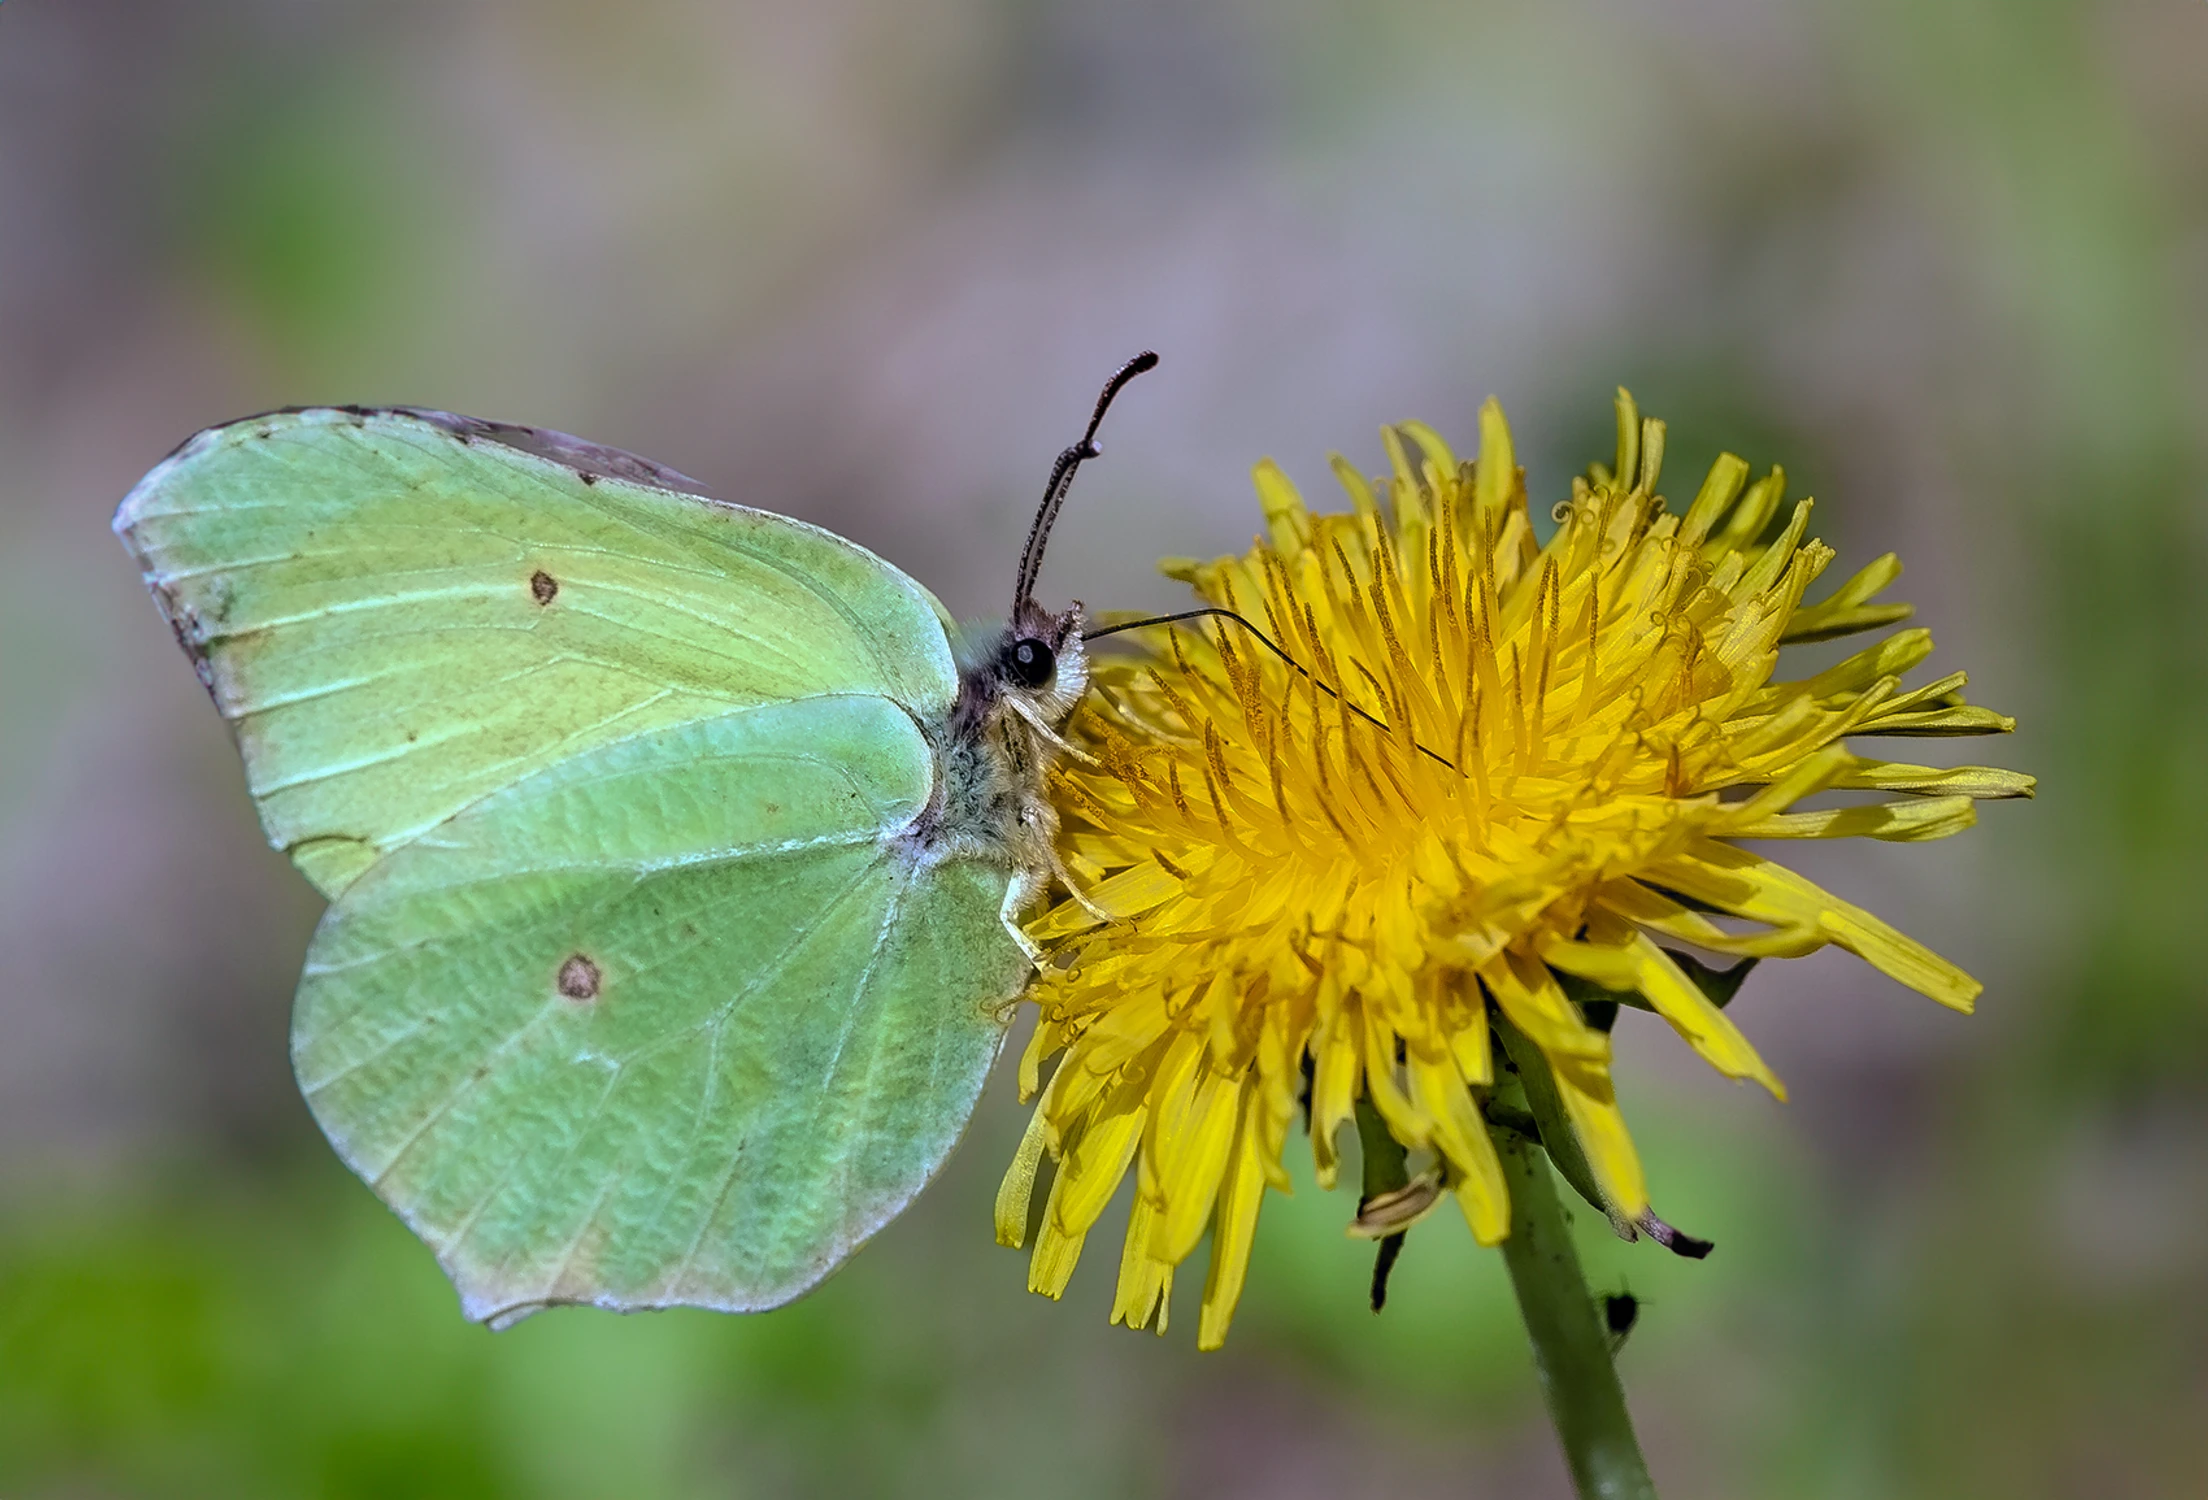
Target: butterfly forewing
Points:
(400, 614)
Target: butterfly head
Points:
(1040, 661)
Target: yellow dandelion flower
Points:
(1492, 767)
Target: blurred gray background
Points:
(865, 262)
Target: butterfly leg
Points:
(1016, 895)
(1081, 897)
(1050, 736)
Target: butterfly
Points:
(675, 849)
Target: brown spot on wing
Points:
(579, 978)
(544, 586)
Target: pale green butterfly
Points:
(674, 848)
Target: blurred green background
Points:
(864, 261)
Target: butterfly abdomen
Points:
(989, 800)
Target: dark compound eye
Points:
(1031, 663)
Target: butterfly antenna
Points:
(1061, 478)
(1269, 644)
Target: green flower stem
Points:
(1571, 1348)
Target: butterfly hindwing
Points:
(676, 1021)
(400, 612)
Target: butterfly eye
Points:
(1032, 663)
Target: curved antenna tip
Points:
(1061, 477)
